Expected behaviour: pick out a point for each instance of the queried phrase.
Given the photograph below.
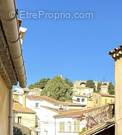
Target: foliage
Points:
(17, 131)
(91, 84)
(58, 88)
(111, 89)
(40, 84)
(68, 82)
(99, 86)
(83, 130)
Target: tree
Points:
(99, 86)
(91, 84)
(40, 84)
(17, 131)
(58, 89)
(68, 82)
(111, 88)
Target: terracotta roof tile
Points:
(49, 99)
(17, 107)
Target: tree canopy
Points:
(40, 84)
(91, 84)
(58, 88)
(111, 88)
(17, 131)
(99, 86)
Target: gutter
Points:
(8, 18)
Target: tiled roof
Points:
(17, 107)
(70, 114)
(49, 99)
(77, 113)
(49, 108)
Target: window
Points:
(19, 119)
(36, 122)
(76, 126)
(69, 126)
(37, 133)
(78, 99)
(61, 127)
(82, 99)
(37, 105)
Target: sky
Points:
(75, 48)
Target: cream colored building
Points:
(25, 117)
(104, 88)
(80, 88)
(12, 68)
(116, 54)
(100, 99)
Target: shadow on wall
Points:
(20, 130)
(17, 131)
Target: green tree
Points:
(111, 89)
(58, 88)
(99, 86)
(17, 131)
(40, 84)
(91, 84)
(68, 82)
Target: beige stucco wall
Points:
(4, 94)
(118, 95)
(107, 100)
(28, 120)
(99, 100)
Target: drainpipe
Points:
(55, 125)
(10, 115)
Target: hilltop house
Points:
(80, 88)
(81, 100)
(100, 99)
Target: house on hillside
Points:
(100, 99)
(81, 100)
(12, 68)
(35, 92)
(79, 88)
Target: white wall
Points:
(31, 103)
(66, 126)
(83, 91)
(46, 121)
(82, 100)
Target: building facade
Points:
(12, 68)
(24, 117)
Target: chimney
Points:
(117, 56)
(25, 92)
(104, 89)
